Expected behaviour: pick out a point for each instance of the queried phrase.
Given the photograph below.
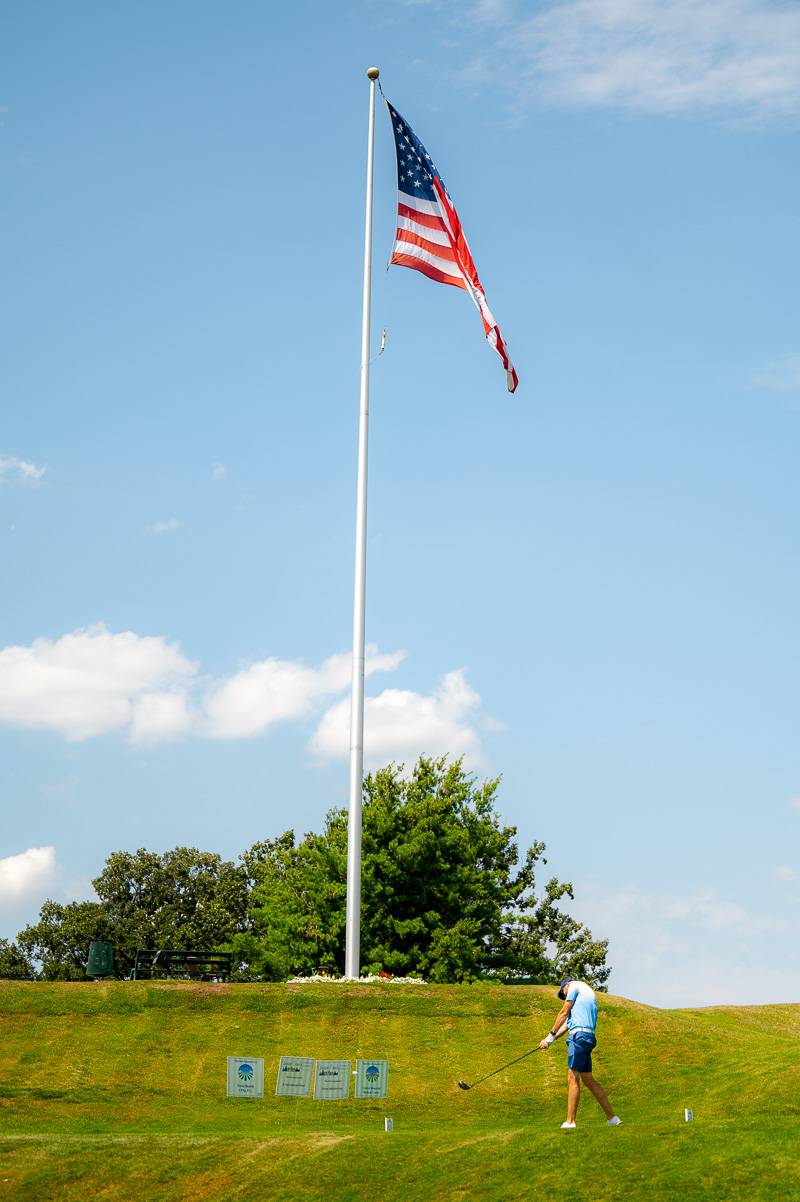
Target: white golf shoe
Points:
(614, 1121)
(568, 1126)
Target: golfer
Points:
(578, 1017)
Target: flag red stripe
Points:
(433, 248)
(427, 269)
(433, 223)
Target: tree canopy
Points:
(183, 898)
(445, 895)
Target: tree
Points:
(442, 895)
(184, 898)
(541, 943)
(297, 905)
(14, 964)
(59, 941)
(438, 871)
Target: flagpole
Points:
(353, 915)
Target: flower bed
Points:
(383, 979)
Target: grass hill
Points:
(117, 1092)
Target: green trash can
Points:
(101, 959)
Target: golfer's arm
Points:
(560, 1025)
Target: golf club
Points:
(463, 1084)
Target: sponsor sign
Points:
(332, 1080)
(295, 1075)
(372, 1078)
(245, 1077)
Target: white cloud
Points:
(657, 56)
(794, 803)
(12, 468)
(275, 690)
(693, 948)
(93, 682)
(218, 471)
(784, 873)
(400, 725)
(158, 716)
(168, 526)
(266, 692)
(783, 375)
(26, 874)
(89, 682)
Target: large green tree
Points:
(444, 891)
(184, 898)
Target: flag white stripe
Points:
(448, 266)
(424, 231)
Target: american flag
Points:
(429, 236)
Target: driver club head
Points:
(463, 1085)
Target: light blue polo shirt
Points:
(584, 1005)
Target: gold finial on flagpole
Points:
(372, 72)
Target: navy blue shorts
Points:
(579, 1051)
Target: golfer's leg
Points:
(596, 1088)
(573, 1094)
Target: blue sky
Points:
(589, 588)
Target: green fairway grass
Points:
(117, 1092)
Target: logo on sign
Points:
(245, 1077)
(372, 1073)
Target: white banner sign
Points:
(295, 1074)
(332, 1079)
(372, 1078)
(245, 1077)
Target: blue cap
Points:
(561, 993)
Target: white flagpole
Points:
(353, 920)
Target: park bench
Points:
(196, 965)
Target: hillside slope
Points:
(119, 1090)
